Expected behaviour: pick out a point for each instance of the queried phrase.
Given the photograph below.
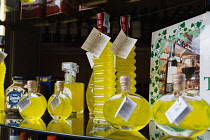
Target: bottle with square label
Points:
(75, 90)
(125, 110)
(180, 113)
(59, 104)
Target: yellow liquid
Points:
(77, 124)
(98, 129)
(2, 77)
(36, 108)
(37, 124)
(195, 123)
(176, 138)
(138, 119)
(59, 126)
(126, 135)
(63, 110)
(90, 96)
(126, 67)
(76, 93)
(104, 80)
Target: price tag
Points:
(95, 42)
(126, 108)
(90, 57)
(123, 45)
(55, 102)
(24, 103)
(2, 56)
(178, 111)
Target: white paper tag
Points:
(106, 20)
(55, 102)
(90, 57)
(24, 103)
(95, 42)
(2, 56)
(126, 108)
(123, 45)
(178, 111)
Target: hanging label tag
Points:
(90, 57)
(2, 56)
(106, 20)
(126, 108)
(95, 42)
(108, 28)
(178, 111)
(24, 103)
(55, 102)
(123, 45)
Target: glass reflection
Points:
(177, 138)
(99, 129)
(77, 124)
(126, 135)
(59, 126)
(33, 124)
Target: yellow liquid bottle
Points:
(2, 77)
(75, 90)
(194, 124)
(32, 105)
(37, 124)
(177, 138)
(104, 75)
(59, 126)
(97, 129)
(116, 108)
(126, 135)
(126, 66)
(90, 96)
(78, 125)
(59, 104)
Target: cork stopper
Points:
(32, 85)
(125, 80)
(178, 78)
(60, 85)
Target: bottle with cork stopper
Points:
(179, 113)
(123, 109)
(32, 104)
(59, 104)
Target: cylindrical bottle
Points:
(59, 104)
(196, 122)
(171, 68)
(126, 66)
(125, 110)
(103, 73)
(32, 101)
(2, 77)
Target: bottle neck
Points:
(100, 22)
(125, 89)
(179, 89)
(70, 77)
(172, 52)
(125, 24)
(32, 90)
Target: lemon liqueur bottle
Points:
(59, 104)
(103, 74)
(32, 104)
(126, 66)
(75, 90)
(125, 110)
(196, 122)
(2, 71)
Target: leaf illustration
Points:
(182, 25)
(152, 101)
(198, 24)
(192, 25)
(164, 32)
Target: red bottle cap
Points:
(22, 135)
(50, 137)
(124, 23)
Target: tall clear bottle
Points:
(75, 90)
(126, 66)
(125, 110)
(103, 73)
(59, 104)
(196, 122)
(2, 70)
(171, 68)
(32, 104)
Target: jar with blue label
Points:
(14, 92)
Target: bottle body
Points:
(2, 77)
(192, 124)
(104, 80)
(90, 96)
(38, 104)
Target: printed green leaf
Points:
(155, 54)
(192, 25)
(157, 135)
(156, 68)
(157, 46)
(153, 84)
(161, 50)
(157, 79)
(185, 29)
(160, 40)
(189, 32)
(159, 95)
(150, 80)
(153, 138)
(151, 93)
(156, 90)
(152, 54)
(152, 101)
(174, 31)
(182, 25)
(152, 46)
(164, 32)
(159, 34)
(153, 69)
(156, 62)
(198, 24)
